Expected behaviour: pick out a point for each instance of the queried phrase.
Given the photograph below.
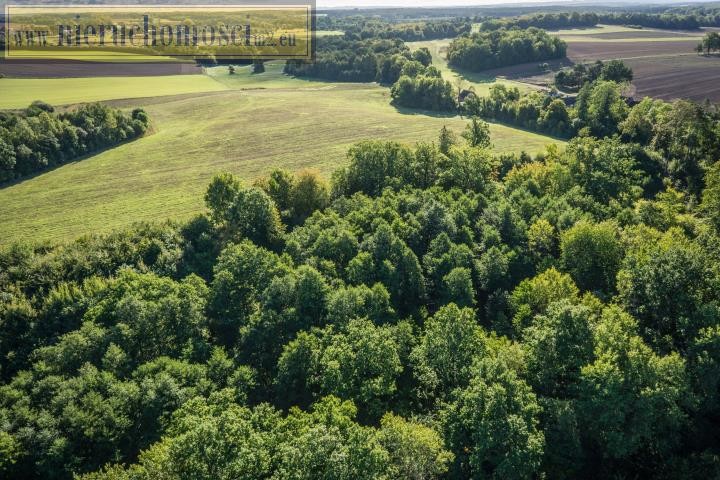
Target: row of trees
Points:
(38, 138)
(685, 134)
(499, 48)
(414, 82)
(706, 15)
(359, 27)
(537, 111)
(433, 312)
(382, 61)
(670, 21)
(547, 21)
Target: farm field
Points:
(687, 76)
(19, 93)
(74, 68)
(664, 63)
(295, 125)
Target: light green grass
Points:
(164, 175)
(20, 92)
(329, 33)
(273, 77)
(481, 83)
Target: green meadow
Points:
(479, 82)
(20, 92)
(245, 124)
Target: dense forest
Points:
(706, 15)
(363, 27)
(434, 311)
(38, 138)
(547, 21)
(350, 60)
(430, 311)
(499, 48)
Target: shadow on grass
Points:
(513, 72)
(448, 115)
(423, 112)
(10, 183)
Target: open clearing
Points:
(480, 82)
(296, 124)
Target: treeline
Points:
(547, 21)
(573, 78)
(433, 312)
(503, 47)
(362, 28)
(345, 60)
(668, 21)
(689, 18)
(38, 138)
(537, 111)
(706, 15)
(685, 134)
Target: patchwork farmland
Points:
(664, 62)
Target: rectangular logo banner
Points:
(119, 33)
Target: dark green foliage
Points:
(38, 138)
(437, 312)
(601, 108)
(493, 425)
(573, 79)
(347, 59)
(670, 21)
(424, 92)
(243, 213)
(499, 48)
(535, 111)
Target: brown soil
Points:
(67, 68)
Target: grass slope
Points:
(20, 92)
(281, 122)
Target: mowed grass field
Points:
(282, 122)
(20, 92)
